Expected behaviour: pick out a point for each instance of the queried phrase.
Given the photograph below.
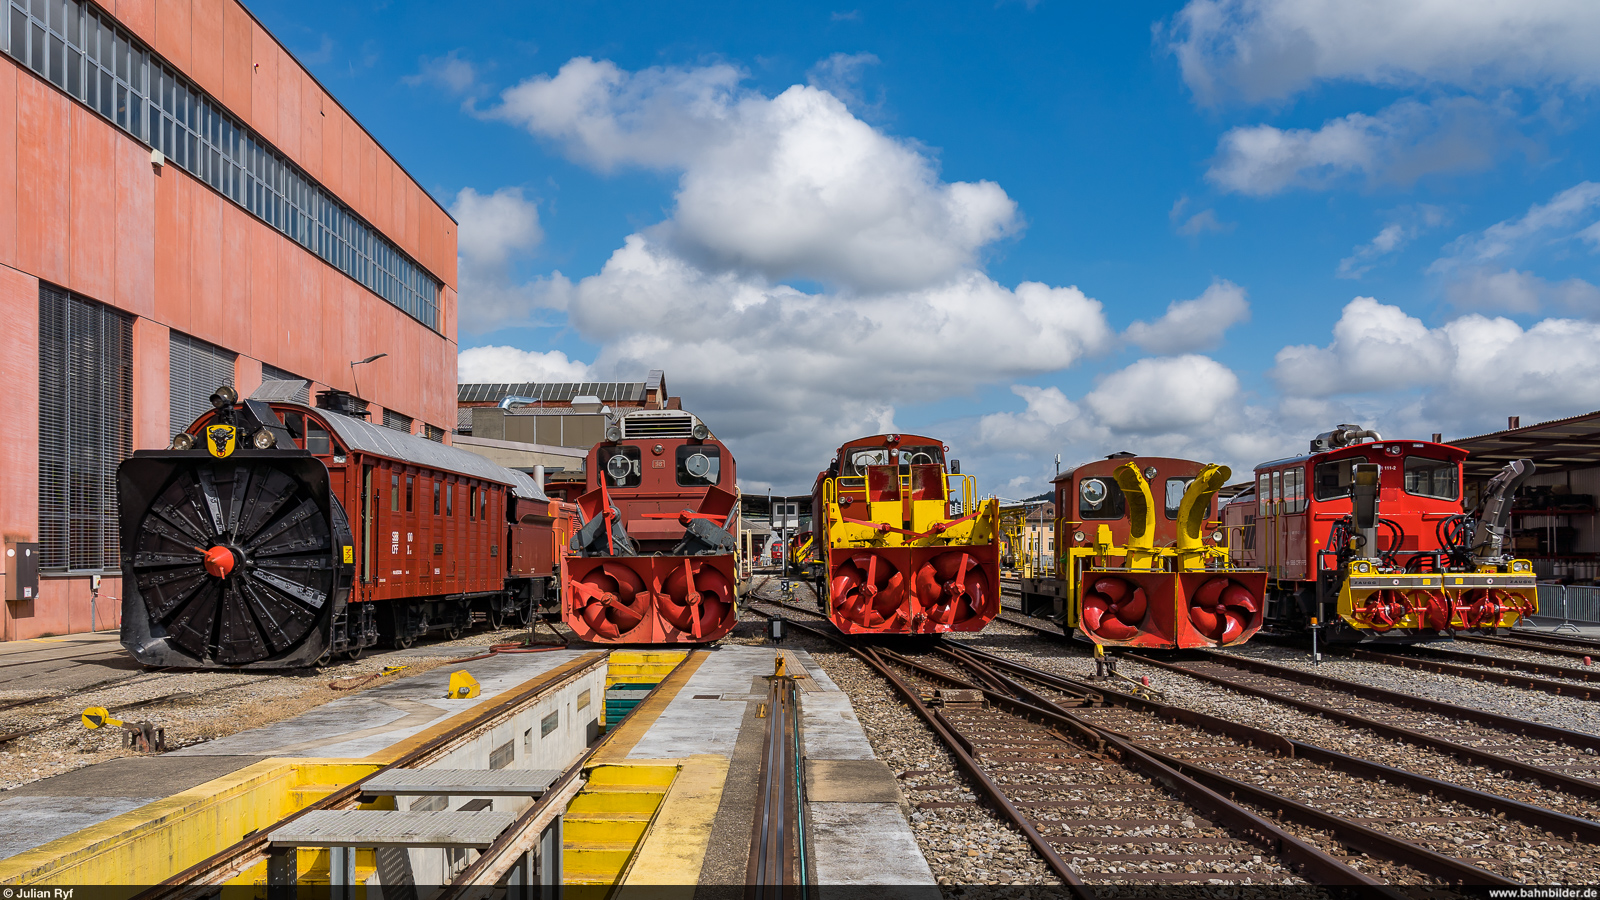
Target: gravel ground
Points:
(1535, 706)
(211, 705)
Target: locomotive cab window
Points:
(1101, 498)
(1175, 489)
(1333, 479)
(920, 456)
(621, 466)
(699, 466)
(860, 459)
(1432, 478)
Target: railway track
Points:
(1111, 793)
(1535, 644)
(1583, 683)
(1568, 761)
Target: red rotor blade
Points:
(1209, 592)
(1238, 595)
(1205, 621)
(1235, 627)
(1132, 610)
(1113, 589)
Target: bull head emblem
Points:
(220, 440)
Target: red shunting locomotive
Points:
(654, 557)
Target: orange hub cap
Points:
(219, 561)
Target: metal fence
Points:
(1575, 603)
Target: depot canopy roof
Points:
(1555, 446)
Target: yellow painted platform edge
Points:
(80, 846)
(674, 846)
(618, 744)
(560, 673)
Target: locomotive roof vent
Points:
(1343, 436)
(659, 424)
(342, 402)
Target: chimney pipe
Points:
(1438, 438)
(1513, 421)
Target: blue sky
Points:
(823, 221)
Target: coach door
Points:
(366, 524)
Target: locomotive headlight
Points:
(224, 396)
(1150, 472)
(264, 440)
(1077, 536)
(1521, 565)
(614, 432)
(700, 432)
(1363, 568)
(1216, 536)
(183, 440)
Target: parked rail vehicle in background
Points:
(1369, 537)
(907, 546)
(276, 535)
(1142, 561)
(655, 557)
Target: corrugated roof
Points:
(1557, 445)
(366, 437)
(553, 391)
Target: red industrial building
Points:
(181, 205)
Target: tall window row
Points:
(80, 49)
(85, 428)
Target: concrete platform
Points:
(704, 720)
(355, 735)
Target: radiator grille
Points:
(657, 426)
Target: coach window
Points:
(1277, 493)
(1333, 479)
(1294, 490)
(699, 466)
(1101, 498)
(410, 483)
(317, 441)
(1432, 478)
(1263, 494)
(483, 504)
(472, 503)
(449, 499)
(394, 493)
(921, 456)
(621, 466)
(1176, 487)
(436, 498)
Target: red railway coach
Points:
(274, 534)
(1370, 537)
(903, 551)
(654, 560)
(1141, 561)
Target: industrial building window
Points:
(85, 428)
(392, 419)
(273, 373)
(549, 723)
(198, 369)
(82, 50)
(433, 433)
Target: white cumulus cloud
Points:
(1196, 324)
(1401, 143)
(495, 231)
(1404, 227)
(511, 365)
(1271, 49)
(792, 186)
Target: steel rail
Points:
(1259, 830)
(960, 750)
(1556, 822)
(772, 844)
(1256, 828)
(1547, 777)
(1527, 682)
(198, 880)
(1531, 644)
(1351, 833)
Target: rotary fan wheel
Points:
(698, 599)
(1113, 608)
(1222, 609)
(953, 588)
(868, 592)
(611, 599)
(233, 560)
